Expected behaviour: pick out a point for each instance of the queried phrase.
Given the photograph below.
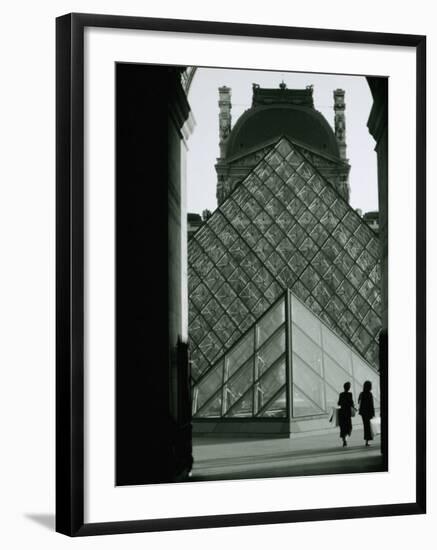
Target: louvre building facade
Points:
(284, 277)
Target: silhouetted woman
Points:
(346, 404)
(366, 409)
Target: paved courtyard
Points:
(302, 454)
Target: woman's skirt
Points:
(345, 422)
(368, 436)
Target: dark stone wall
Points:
(378, 127)
(174, 255)
(150, 109)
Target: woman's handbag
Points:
(353, 411)
(375, 426)
(333, 418)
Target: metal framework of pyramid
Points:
(289, 364)
(283, 227)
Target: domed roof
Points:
(263, 123)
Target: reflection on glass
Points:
(331, 397)
(302, 405)
(212, 408)
(237, 385)
(308, 381)
(270, 322)
(243, 407)
(239, 354)
(269, 352)
(307, 350)
(335, 376)
(305, 319)
(336, 349)
(208, 385)
(269, 383)
(277, 407)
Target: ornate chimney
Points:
(225, 119)
(340, 121)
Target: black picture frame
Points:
(70, 273)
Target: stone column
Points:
(378, 127)
(153, 432)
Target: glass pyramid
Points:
(283, 227)
(288, 364)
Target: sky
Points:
(203, 144)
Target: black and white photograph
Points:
(279, 367)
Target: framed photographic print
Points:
(240, 228)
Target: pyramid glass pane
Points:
(319, 371)
(302, 404)
(335, 376)
(305, 321)
(237, 385)
(277, 407)
(337, 349)
(239, 355)
(270, 352)
(308, 350)
(269, 323)
(331, 397)
(243, 407)
(308, 381)
(212, 408)
(269, 384)
(207, 386)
